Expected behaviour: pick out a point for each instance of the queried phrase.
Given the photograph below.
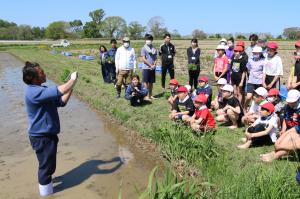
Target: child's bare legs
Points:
(247, 143)
(215, 104)
(289, 141)
(233, 117)
(171, 116)
(195, 126)
(239, 93)
(248, 100)
(249, 118)
(186, 118)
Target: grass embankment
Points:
(226, 171)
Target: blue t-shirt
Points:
(150, 53)
(41, 105)
(207, 91)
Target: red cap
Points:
(273, 92)
(297, 44)
(174, 82)
(201, 98)
(272, 45)
(241, 43)
(238, 48)
(182, 89)
(203, 79)
(269, 106)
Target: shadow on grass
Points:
(84, 171)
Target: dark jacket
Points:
(196, 55)
(141, 94)
(167, 53)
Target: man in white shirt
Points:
(125, 64)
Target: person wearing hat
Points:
(232, 111)
(149, 56)
(44, 126)
(173, 90)
(111, 53)
(220, 63)
(202, 120)
(193, 54)
(255, 68)
(295, 73)
(263, 131)
(135, 91)
(167, 52)
(238, 72)
(275, 98)
(262, 42)
(183, 105)
(218, 101)
(259, 98)
(253, 43)
(289, 139)
(125, 64)
(273, 68)
(291, 111)
(204, 88)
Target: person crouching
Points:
(183, 105)
(136, 92)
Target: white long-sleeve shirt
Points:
(125, 59)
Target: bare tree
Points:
(156, 26)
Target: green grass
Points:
(224, 171)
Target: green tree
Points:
(91, 30)
(38, 33)
(76, 27)
(292, 33)
(136, 30)
(97, 16)
(25, 32)
(57, 30)
(114, 27)
(199, 34)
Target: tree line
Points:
(109, 27)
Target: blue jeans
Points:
(45, 148)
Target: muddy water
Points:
(93, 155)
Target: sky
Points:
(211, 16)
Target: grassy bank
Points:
(224, 171)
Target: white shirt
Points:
(273, 66)
(255, 107)
(125, 59)
(271, 120)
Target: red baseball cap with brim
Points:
(268, 106)
(272, 45)
(174, 82)
(238, 48)
(273, 92)
(203, 79)
(201, 98)
(182, 89)
(241, 43)
(297, 44)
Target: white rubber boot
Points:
(46, 189)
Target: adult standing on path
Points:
(193, 54)
(111, 60)
(167, 52)
(41, 105)
(125, 64)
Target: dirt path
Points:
(93, 155)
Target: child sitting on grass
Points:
(205, 89)
(173, 89)
(263, 131)
(217, 103)
(289, 140)
(183, 105)
(259, 98)
(136, 92)
(202, 120)
(232, 111)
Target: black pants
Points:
(164, 70)
(260, 141)
(136, 100)
(105, 73)
(112, 71)
(45, 148)
(269, 79)
(193, 78)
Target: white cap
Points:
(188, 87)
(257, 49)
(262, 92)
(292, 96)
(222, 81)
(223, 40)
(227, 87)
(220, 47)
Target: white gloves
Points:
(74, 75)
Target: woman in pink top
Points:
(221, 63)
